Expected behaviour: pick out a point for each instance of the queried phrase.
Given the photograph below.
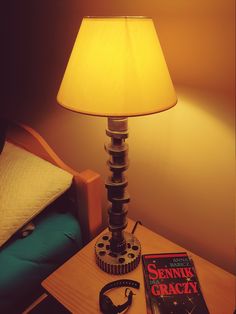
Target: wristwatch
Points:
(106, 304)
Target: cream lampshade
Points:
(117, 69)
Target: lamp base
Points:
(117, 263)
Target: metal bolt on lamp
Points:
(117, 70)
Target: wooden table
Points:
(77, 283)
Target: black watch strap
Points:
(107, 306)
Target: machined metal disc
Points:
(117, 263)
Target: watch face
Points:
(106, 305)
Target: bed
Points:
(40, 242)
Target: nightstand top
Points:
(77, 283)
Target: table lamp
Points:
(117, 70)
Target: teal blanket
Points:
(25, 262)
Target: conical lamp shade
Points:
(117, 68)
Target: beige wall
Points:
(182, 160)
(181, 174)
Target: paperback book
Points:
(171, 285)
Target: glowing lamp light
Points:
(117, 69)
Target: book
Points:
(172, 285)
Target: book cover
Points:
(171, 285)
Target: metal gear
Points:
(117, 263)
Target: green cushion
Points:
(25, 262)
